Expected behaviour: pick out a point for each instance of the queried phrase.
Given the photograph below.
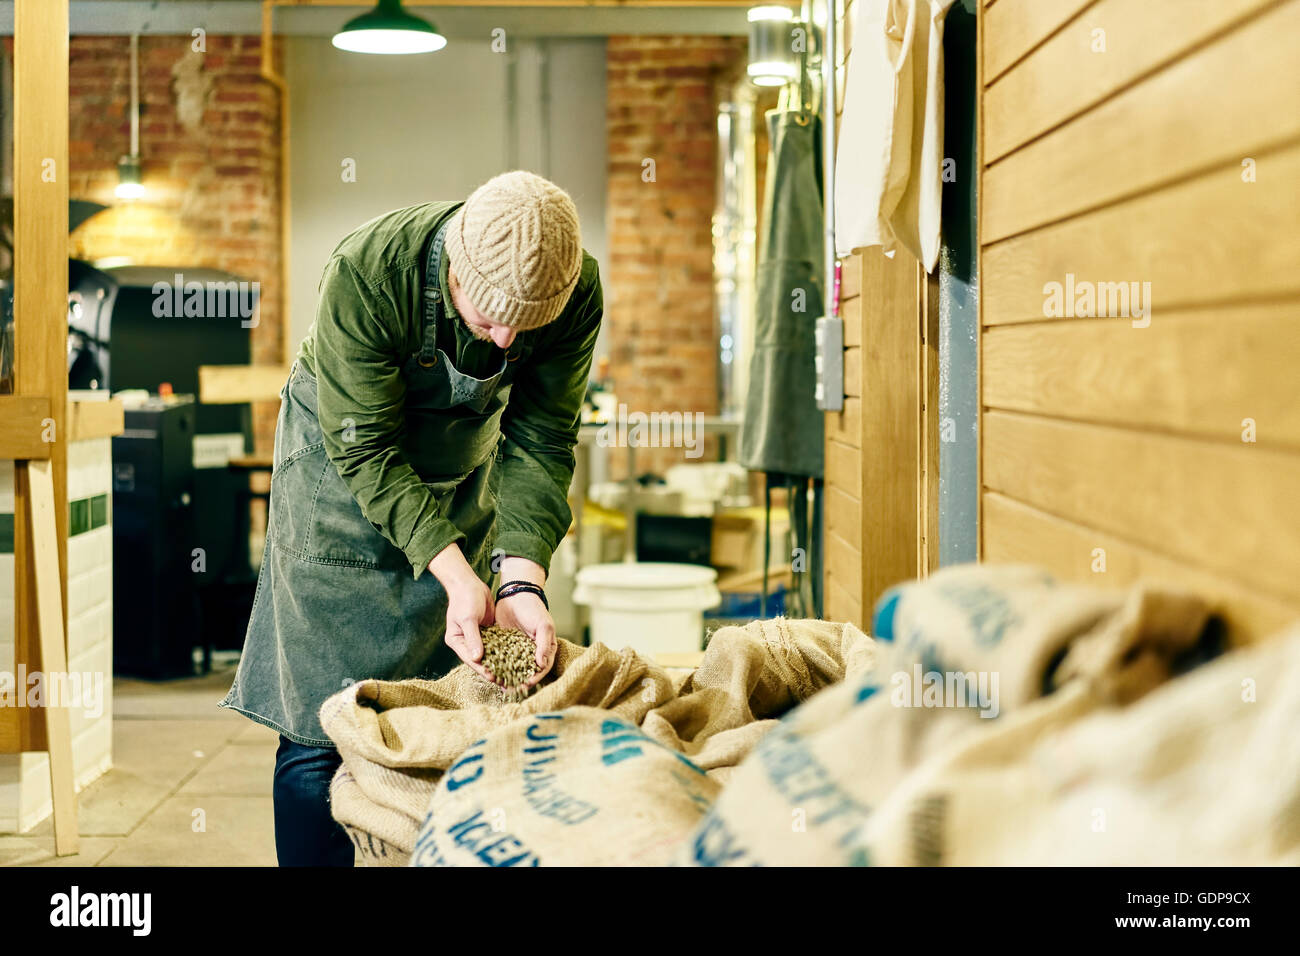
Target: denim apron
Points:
(336, 602)
(783, 430)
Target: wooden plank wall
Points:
(882, 449)
(1144, 141)
(843, 486)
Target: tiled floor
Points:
(190, 786)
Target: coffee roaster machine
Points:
(182, 577)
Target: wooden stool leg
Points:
(54, 657)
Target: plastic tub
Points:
(653, 608)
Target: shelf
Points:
(94, 419)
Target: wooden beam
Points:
(930, 425)
(890, 459)
(982, 75)
(40, 299)
(235, 384)
(24, 427)
(50, 628)
(539, 3)
(10, 728)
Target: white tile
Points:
(83, 594)
(6, 627)
(24, 778)
(78, 595)
(82, 554)
(89, 629)
(102, 539)
(91, 759)
(101, 585)
(76, 468)
(7, 576)
(74, 483)
(99, 470)
(92, 752)
(89, 590)
(76, 475)
(94, 689)
(10, 790)
(90, 468)
(88, 551)
(34, 798)
(90, 452)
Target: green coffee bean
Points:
(509, 655)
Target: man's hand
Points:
(469, 606)
(527, 613)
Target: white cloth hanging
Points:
(889, 161)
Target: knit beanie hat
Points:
(515, 249)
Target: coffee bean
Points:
(509, 655)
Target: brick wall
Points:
(661, 105)
(210, 149)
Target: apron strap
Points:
(797, 498)
(816, 544)
(767, 538)
(432, 299)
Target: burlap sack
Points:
(397, 738)
(750, 676)
(576, 787)
(973, 643)
(1203, 771)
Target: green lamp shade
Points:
(389, 29)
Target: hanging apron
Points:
(783, 427)
(783, 430)
(336, 602)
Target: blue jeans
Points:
(305, 833)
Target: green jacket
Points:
(368, 324)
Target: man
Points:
(425, 435)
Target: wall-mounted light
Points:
(389, 29)
(129, 182)
(129, 185)
(772, 58)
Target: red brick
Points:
(659, 269)
(213, 195)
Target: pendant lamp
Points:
(389, 29)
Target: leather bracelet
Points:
(511, 588)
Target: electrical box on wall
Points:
(829, 336)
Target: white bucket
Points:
(653, 608)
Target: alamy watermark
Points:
(654, 430)
(133, 911)
(922, 688)
(1098, 300)
(74, 690)
(207, 300)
